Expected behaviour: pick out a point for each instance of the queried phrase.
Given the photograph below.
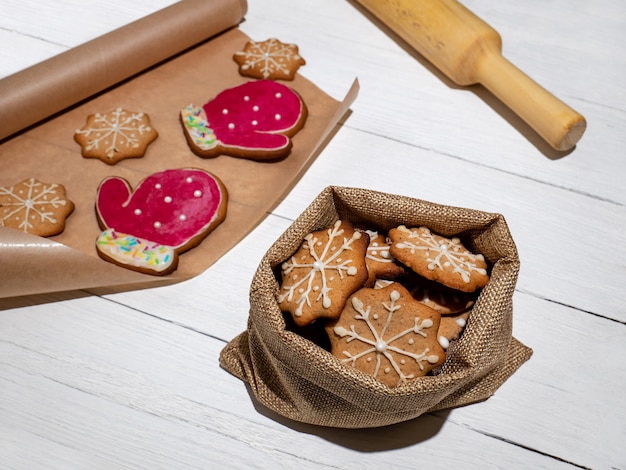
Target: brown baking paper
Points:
(47, 152)
(296, 378)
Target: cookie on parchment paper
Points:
(115, 135)
(255, 120)
(35, 207)
(270, 59)
(167, 213)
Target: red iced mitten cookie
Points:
(387, 334)
(254, 120)
(168, 213)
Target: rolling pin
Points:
(469, 51)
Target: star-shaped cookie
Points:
(115, 135)
(270, 59)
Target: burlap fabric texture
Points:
(299, 380)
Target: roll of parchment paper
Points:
(44, 89)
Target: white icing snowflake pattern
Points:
(30, 201)
(115, 130)
(449, 253)
(269, 58)
(324, 265)
(381, 345)
(377, 252)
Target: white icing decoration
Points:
(197, 193)
(157, 186)
(120, 129)
(182, 217)
(224, 111)
(137, 211)
(382, 346)
(279, 95)
(189, 179)
(277, 117)
(448, 253)
(157, 225)
(168, 199)
(231, 126)
(325, 263)
(376, 252)
(272, 55)
(34, 205)
(255, 108)
(255, 122)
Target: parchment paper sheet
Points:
(35, 265)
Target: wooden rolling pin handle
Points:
(468, 51)
(557, 123)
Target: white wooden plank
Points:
(32, 51)
(91, 383)
(569, 393)
(403, 98)
(69, 23)
(558, 233)
(137, 392)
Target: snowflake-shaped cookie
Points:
(380, 263)
(326, 269)
(387, 334)
(439, 258)
(35, 207)
(270, 59)
(115, 135)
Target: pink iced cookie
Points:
(168, 213)
(255, 120)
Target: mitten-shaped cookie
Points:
(168, 213)
(255, 120)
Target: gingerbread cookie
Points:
(326, 269)
(380, 263)
(387, 334)
(451, 327)
(443, 299)
(35, 207)
(255, 120)
(115, 135)
(438, 258)
(270, 59)
(168, 213)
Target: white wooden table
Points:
(132, 380)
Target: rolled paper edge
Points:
(38, 92)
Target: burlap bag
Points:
(299, 380)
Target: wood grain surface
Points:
(98, 380)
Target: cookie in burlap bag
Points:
(300, 380)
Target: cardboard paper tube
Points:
(468, 51)
(44, 89)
